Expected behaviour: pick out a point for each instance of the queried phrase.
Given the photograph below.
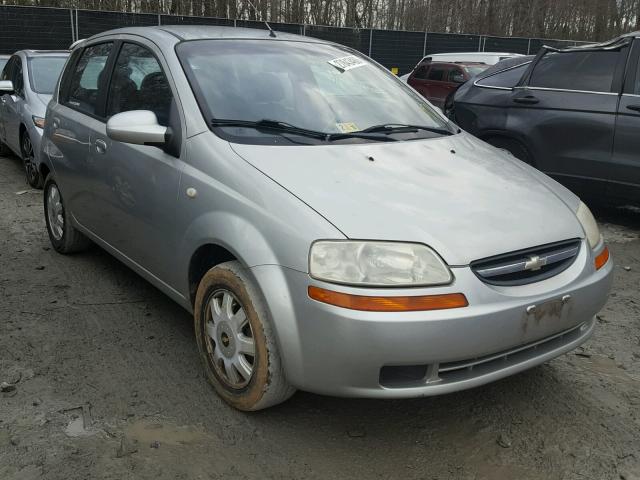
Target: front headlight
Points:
(377, 264)
(589, 225)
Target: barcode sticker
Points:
(347, 63)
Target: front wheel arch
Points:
(516, 147)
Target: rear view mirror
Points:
(6, 86)
(139, 127)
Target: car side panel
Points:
(625, 165)
(569, 135)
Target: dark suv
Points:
(572, 113)
(438, 80)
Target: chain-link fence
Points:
(56, 28)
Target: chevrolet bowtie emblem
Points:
(535, 263)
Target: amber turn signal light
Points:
(602, 258)
(388, 304)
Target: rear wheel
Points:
(236, 343)
(63, 236)
(28, 158)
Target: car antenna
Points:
(271, 32)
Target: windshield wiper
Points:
(266, 124)
(283, 127)
(400, 128)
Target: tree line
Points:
(566, 19)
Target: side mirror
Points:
(6, 86)
(458, 78)
(139, 127)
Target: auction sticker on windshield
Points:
(347, 127)
(347, 63)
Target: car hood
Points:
(462, 197)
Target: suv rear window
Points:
(584, 71)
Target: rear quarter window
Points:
(505, 79)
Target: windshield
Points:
(44, 73)
(318, 87)
(475, 70)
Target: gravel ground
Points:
(108, 386)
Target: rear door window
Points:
(87, 78)
(456, 75)
(584, 71)
(505, 79)
(438, 73)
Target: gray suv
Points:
(26, 85)
(329, 230)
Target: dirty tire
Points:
(267, 385)
(70, 240)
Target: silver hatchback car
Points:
(26, 85)
(328, 228)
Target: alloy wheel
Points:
(55, 212)
(28, 158)
(229, 339)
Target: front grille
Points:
(527, 266)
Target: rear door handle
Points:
(101, 146)
(634, 107)
(528, 100)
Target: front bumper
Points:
(336, 351)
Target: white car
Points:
(490, 58)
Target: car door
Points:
(437, 86)
(13, 105)
(564, 111)
(418, 79)
(624, 184)
(138, 184)
(76, 119)
(6, 75)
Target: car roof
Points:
(204, 32)
(484, 54)
(609, 44)
(44, 53)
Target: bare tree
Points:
(570, 19)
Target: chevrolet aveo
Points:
(328, 228)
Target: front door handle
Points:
(101, 146)
(528, 100)
(634, 107)
(56, 123)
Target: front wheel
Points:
(28, 158)
(236, 342)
